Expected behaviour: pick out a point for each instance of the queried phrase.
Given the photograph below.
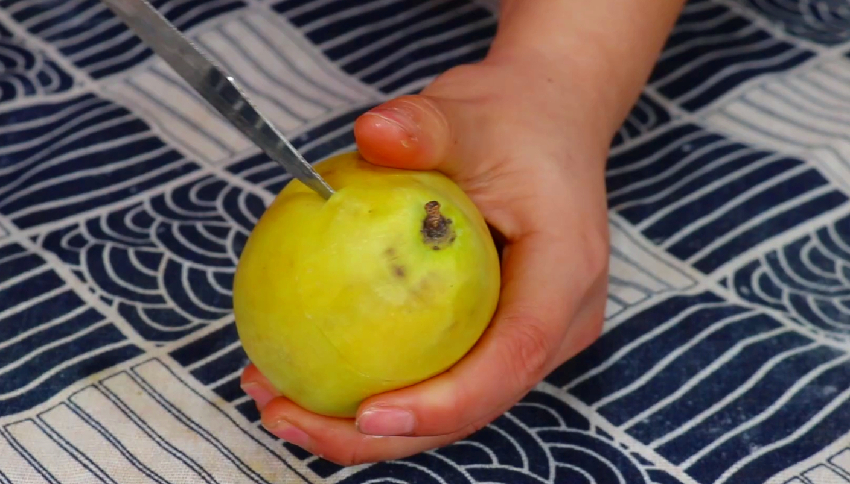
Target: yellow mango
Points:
(389, 282)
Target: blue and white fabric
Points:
(125, 202)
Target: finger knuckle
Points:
(453, 408)
(595, 252)
(528, 351)
(470, 429)
(351, 456)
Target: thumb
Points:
(411, 132)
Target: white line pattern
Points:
(805, 113)
(125, 203)
(288, 85)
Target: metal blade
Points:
(216, 87)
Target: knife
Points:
(216, 86)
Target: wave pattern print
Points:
(712, 50)
(216, 359)
(806, 279)
(394, 45)
(94, 39)
(541, 440)
(807, 112)
(144, 424)
(292, 87)
(27, 72)
(725, 355)
(45, 324)
(61, 159)
(636, 272)
(725, 392)
(822, 21)
(707, 199)
(831, 468)
(166, 265)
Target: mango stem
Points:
(436, 230)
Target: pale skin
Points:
(526, 134)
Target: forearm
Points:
(612, 45)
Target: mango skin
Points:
(339, 300)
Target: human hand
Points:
(529, 147)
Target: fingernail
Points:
(385, 421)
(259, 394)
(396, 119)
(289, 433)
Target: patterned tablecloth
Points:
(124, 204)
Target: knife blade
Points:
(216, 86)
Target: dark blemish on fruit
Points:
(392, 256)
(399, 271)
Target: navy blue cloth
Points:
(125, 202)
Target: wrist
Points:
(604, 50)
(574, 90)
